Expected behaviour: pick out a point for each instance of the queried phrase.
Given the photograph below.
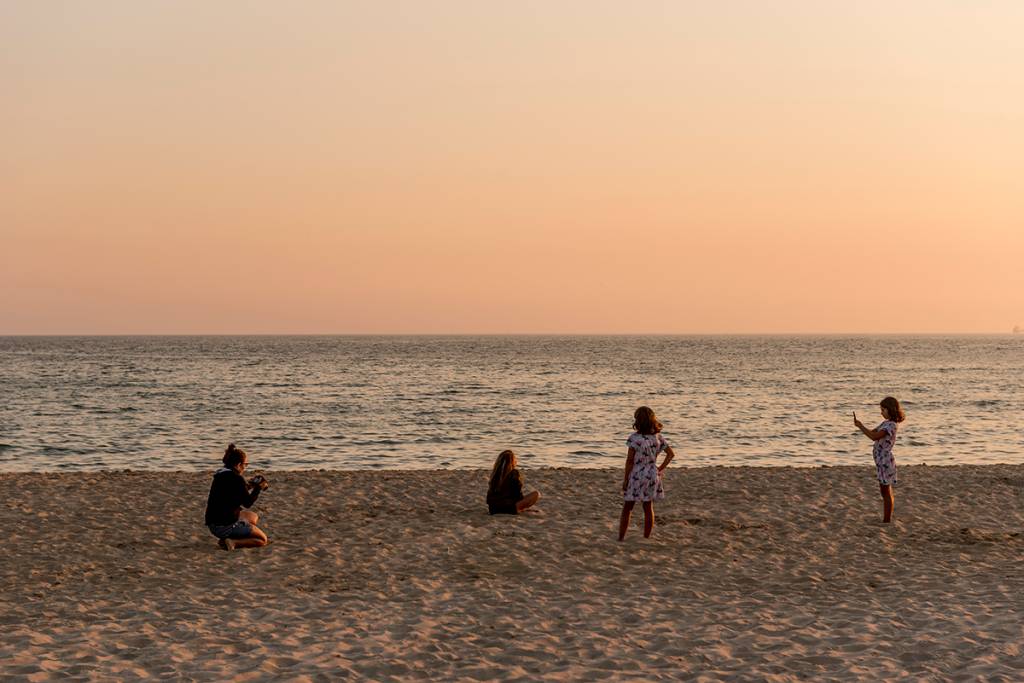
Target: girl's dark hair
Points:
(233, 455)
(502, 468)
(892, 409)
(645, 422)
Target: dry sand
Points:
(752, 574)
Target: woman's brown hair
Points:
(892, 408)
(503, 466)
(645, 422)
(233, 455)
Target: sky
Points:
(495, 167)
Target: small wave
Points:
(435, 439)
(6, 446)
(54, 450)
(987, 403)
(115, 411)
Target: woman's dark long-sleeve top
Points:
(503, 500)
(229, 493)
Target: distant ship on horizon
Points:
(1017, 329)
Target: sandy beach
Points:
(752, 574)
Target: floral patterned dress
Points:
(885, 463)
(644, 480)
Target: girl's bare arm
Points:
(873, 434)
(630, 456)
(669, 454)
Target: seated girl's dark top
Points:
(229, 493)
(503, 500)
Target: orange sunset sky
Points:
(493, 167)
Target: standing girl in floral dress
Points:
(884, 436)
(642, 480)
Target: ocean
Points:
(415, 402)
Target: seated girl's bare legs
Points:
(627, 510)
(888, 502)
(529, 500)
(648, 518)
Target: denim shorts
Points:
(239, 529)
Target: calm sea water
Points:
(72, 403)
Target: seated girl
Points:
(505, 491)
(229, 493)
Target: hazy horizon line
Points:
(514, 334)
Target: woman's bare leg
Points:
(257, 539)
(529, 500)
(627, 510)
(248, 516)
(888, 502)
(648, 518)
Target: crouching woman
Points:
(229, 493)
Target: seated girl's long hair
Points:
(502, 468)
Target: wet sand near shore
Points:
(752, 574)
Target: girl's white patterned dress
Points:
(645, 480)
(885, 463)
